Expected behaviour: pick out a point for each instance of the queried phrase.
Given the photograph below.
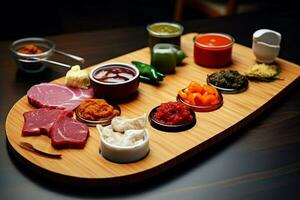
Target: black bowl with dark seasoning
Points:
(228, 81)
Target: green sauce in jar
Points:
(164, 32)
(164, 28)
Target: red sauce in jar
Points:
(173, 113)
(213, 50)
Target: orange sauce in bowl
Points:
(213, 40)
(96, 109)
(213, 50)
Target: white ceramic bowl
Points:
(125, 154)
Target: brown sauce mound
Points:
(96, 109)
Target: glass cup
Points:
(213, 49)
(164, 32)
(29, 62)
(32, 54)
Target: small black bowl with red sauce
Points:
(114, 80)
(172, 117)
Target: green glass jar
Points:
(164, 32)
(165, 57)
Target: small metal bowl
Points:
(103, 122)
(228, 90)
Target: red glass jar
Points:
(213, 49)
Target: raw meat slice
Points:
(53, 95)
(40, 121)
(67, 132)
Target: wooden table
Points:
(261, 161)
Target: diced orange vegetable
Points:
(195, 87)
(216, 100)
(191, 98)
(198, 95)
(186, 90)
(207, 99)
(198, 99)
(210, 89)
(194, 84)
(182, 94)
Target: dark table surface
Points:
(260, 161)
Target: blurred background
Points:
(43, 18)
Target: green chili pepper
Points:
(148, 71)
(146, 79)
(161, 75)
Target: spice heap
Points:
(263, 72)
(229, 79)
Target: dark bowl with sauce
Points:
(114, 80)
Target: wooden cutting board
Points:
(166, 149)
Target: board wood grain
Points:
(166, 149)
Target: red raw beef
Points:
(40, 121)
(53, 95)
(67, 132)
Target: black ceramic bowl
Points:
(228, 90)
(171, 128)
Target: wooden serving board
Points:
(166, 149)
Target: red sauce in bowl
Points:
(213, 49)
(173, 113)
